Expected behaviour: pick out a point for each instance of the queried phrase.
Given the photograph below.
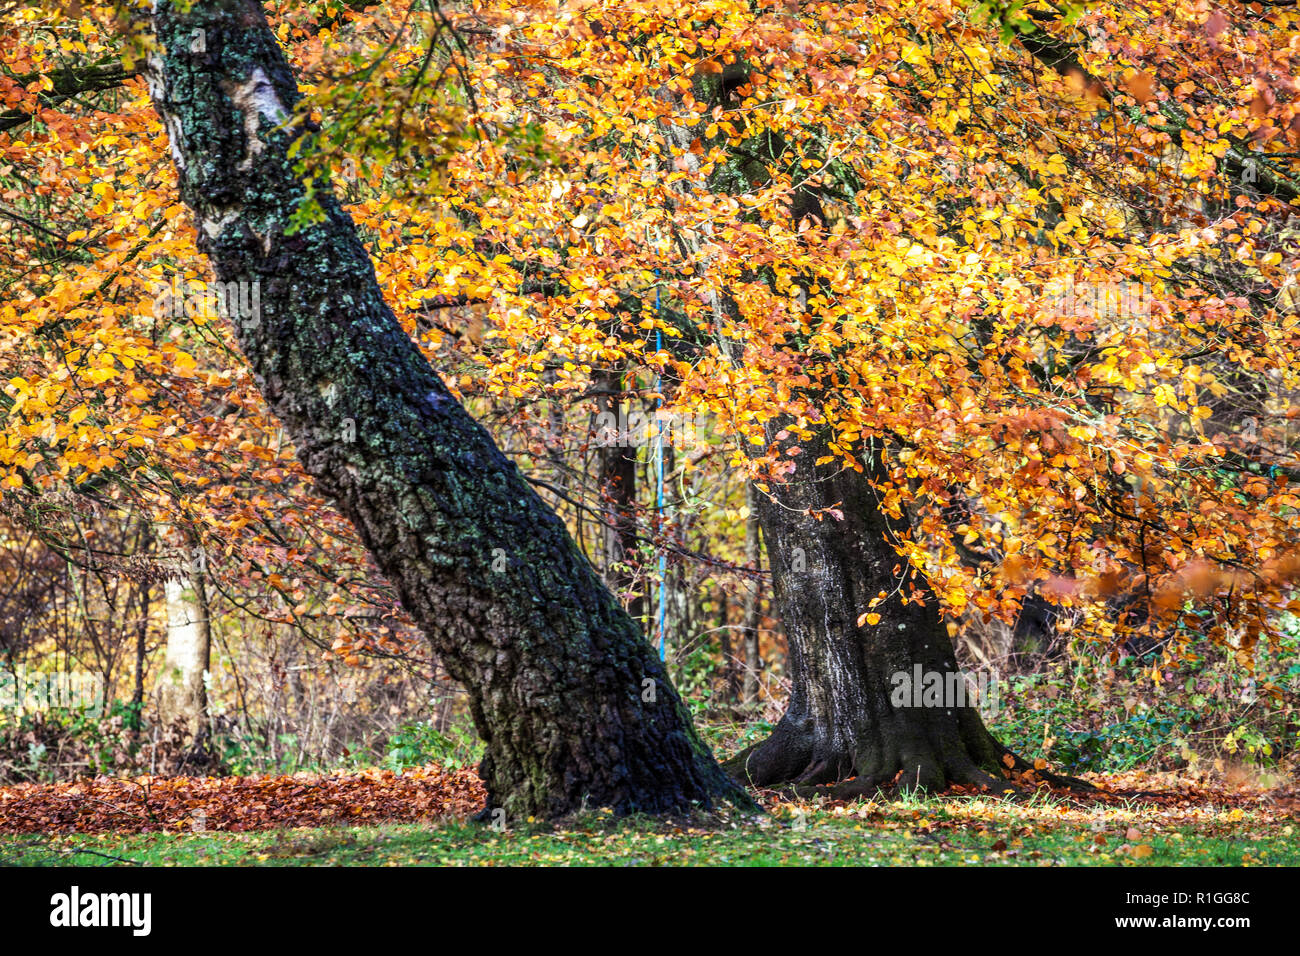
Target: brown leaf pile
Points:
(1240, 788)
(261, 802)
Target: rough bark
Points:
(573, 706)
(141, 635)
(841, 722)
(616, 478)
(726, 647)
(141, 638)
(753, 600)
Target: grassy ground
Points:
(940, 832)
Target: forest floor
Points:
(382, 818)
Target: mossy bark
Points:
(574, 707)
(843, 724)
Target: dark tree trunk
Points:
(616, 477)
(842, 721)
(726, 648)
(679, 616)
(144, 545)
(753, 599)
(141, 635)
(573, 706)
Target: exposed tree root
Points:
(927, 752)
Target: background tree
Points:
(856, 238)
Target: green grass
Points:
(916, 833)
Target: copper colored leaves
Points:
(153, 804)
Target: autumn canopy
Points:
(990, 305)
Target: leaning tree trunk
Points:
(573, 706)
(844, 721)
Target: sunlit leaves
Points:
(1054, 295)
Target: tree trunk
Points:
(845, 717)
(726, 647)
(141, 636)
(679, 623)
(842, 720)
(182, 693)
(573, 706)
(753, 599)
(616, 477)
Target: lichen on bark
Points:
(574, 707)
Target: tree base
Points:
(926, 755)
